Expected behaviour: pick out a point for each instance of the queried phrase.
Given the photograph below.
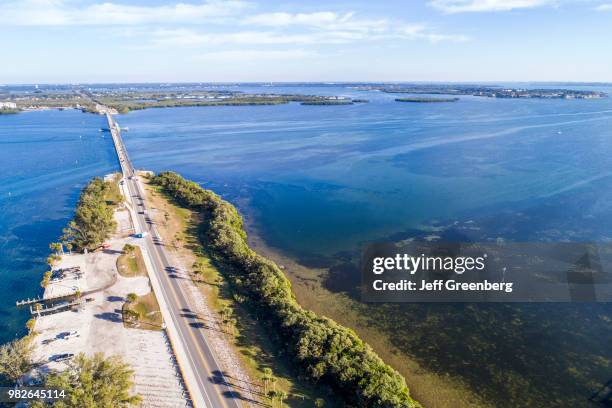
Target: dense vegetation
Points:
(15, 360)
(95, 382)
(324, 351)
(93, 220)
(137, 101)
(8, 111)
(329, 102)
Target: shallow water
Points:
(316, 181)
(321, 179)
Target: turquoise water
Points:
(45, 159)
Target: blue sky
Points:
(70, 41)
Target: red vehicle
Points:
(106, 246)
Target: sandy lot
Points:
(99, 326)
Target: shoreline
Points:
(307, 285)
(97, 322)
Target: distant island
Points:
(487, 91)
(334, 101)
(8, 111)
(426, 100)
(132, 98)
(329, 102)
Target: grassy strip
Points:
(323, 350)
(112, 194)
(142, 313)
(131, 264)
(254, 344)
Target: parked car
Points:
(62, 357)
(68, 335)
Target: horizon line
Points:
(303, 82)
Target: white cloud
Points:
(181, 23)
(187, 37)
(256, 55)
(61, 12)
(464, 6)
(421, 31)
(285, 19)
(193, 38)
(604, 7)
(323, 20)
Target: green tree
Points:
(16, 359)
(30, 324)
(272, 395)
(93, 220)
(129, 248)
(267, 376)
(95, 382)
(273, 381)
(282, 395)
(53, 259)
(324, 350)
(198, 267)
(132, 297)
(57, 247)
(130, 315)
(319, 403)
(46, 279)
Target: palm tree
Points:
(52, 260)
(57, 247)
(319, 403)
(198, 267)
(226, 314)
(272, 395)
(177, 240)
(281, 396)
(38, 307)
(267, 376)
(232, 323)
(273, 380)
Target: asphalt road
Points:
(210, 385)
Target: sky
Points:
(80, 41)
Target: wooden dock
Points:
(35, 300)
(38, 311)
(29, 301)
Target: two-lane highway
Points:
(202, 374)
